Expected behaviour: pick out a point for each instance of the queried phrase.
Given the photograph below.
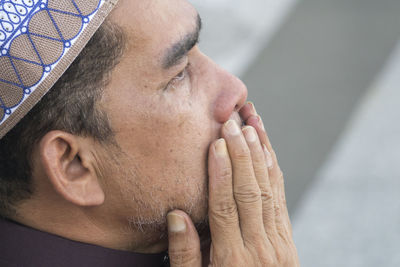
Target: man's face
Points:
(166, 102)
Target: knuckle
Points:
(224, 209)
(266, 194)
(247, 193)
(255, 240)
(265, 256)
(268, 260)
(284, 234)
(281, 256)
(258, 157)
(260, 167)
(225, 173)
(241, 153)
(230, 259)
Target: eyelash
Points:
(179, 78)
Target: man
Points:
(127, 142)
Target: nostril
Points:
(237, 108)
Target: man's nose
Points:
(231, 98)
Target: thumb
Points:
(184, 241)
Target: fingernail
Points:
(220, 147)
(249, 134)
(232, 127)
(268, 157)
(176, 223)
(252, 108)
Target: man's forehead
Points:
(155, 24)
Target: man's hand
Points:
(248, 216)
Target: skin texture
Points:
(182, 119)
(166, 122)
(163, 134)
(248, 216)
(166, 169)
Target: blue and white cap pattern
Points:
(39, 39)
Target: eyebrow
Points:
(178, 50)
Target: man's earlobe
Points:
(69, 168)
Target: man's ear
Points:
(69, 167)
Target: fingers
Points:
(261, 172)
(245, 196)
(223, 214)
(257, 123)
(275, 174)
(246, 191)
(184, 242)
(247, 111)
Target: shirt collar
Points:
(24, 246)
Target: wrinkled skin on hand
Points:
(248, 216)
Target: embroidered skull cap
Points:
(39, 39)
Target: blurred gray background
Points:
(325, 76)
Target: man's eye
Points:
(178, 78)
(181, 75)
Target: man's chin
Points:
(156, 234)
(198, 214)
(155, 221)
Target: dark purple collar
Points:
(24, 246)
